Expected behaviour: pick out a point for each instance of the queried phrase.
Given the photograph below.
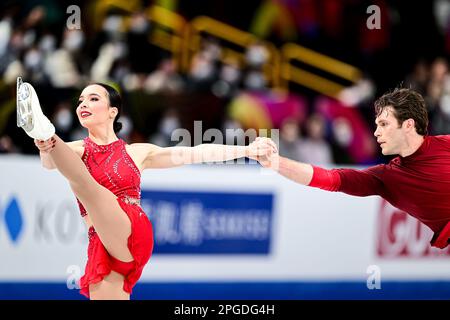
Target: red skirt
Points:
(140, 243)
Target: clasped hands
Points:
(265, 151)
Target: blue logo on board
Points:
(209, 222)
(13, 218)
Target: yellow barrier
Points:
(183, 39)
(205, 25)
(293, 51)
(100, 8)
(311, 81)
(279, 70)
(171, 32)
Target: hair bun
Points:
(117, 126)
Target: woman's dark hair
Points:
(115, 100)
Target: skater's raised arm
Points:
(44, 149)
(158, 157)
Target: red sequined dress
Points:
(112, 167)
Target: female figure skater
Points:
(104, 173)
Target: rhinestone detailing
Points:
(113, 168)
(132, 201)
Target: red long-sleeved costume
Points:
(418, 184)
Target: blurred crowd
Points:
(36, 45)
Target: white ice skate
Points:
(29, 113)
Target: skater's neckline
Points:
(103, 145)
(103, 148)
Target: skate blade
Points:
(24, 116)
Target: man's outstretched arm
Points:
(351, 181)
(296, 171)
(309, 175)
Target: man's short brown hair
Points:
(407, 104)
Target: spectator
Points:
(290, 141)
(165, 79)
(314, 148)
(169, 123)
(438, 97)
(418, 79)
